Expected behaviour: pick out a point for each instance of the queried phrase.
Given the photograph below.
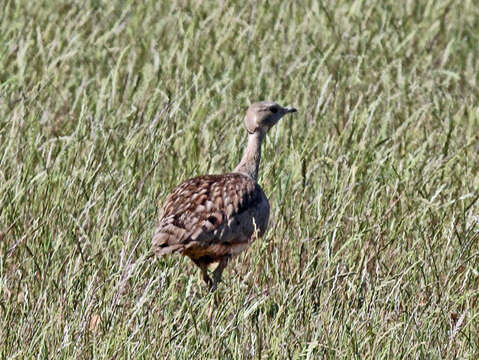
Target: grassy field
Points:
(372, 250)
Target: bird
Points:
(212, 218)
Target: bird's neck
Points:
(249, 163)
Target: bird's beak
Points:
(289, 110)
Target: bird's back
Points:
(211, 216)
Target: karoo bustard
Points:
(211, 218)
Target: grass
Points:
(372, 250)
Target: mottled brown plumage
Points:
(211, 218)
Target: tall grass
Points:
(372, 250)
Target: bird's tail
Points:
(161, 244)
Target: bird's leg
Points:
(218, 271)
(204, 271)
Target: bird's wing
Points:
(196, 211)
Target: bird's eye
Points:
(273, 109)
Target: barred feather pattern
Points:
(211, 216)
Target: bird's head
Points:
(262, 116)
